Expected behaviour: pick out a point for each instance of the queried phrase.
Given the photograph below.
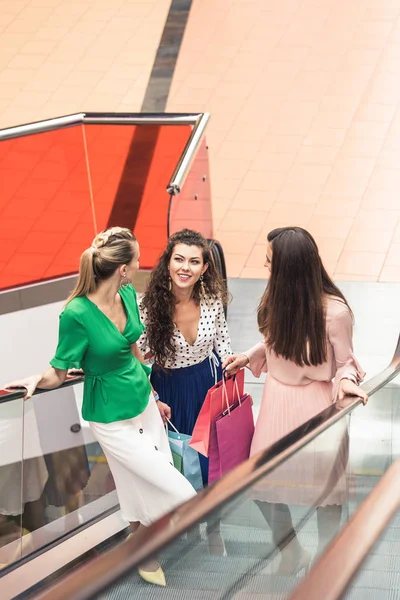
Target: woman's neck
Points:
(183, 296)
(106, 293)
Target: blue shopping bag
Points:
(186, 460)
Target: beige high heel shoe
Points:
(155, 577)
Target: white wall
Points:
(28, 340)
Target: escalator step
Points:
(199, 585)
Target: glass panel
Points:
(67, 482)
(130, 168)
(374, 440)
(45, 202)
(376, 429)
(11, 432)
(264, 541)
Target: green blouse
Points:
(116, 385)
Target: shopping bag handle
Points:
(225, 393)
(225, 396)
(173, 426)
(236, 388)
(224, 378)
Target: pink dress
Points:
(292, 395)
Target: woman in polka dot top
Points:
(186, 333)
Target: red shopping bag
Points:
(231, 436)
(218, 397)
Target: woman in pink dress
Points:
(307, 353)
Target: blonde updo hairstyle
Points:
(110, 249)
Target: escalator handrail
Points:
(339, 564)
(90, 579)
(105, 118)
(6, 396)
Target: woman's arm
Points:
(49, 380)
(348, 370)
(52, 378)
(255, 359)
(257, 356)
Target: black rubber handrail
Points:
(89, 580)
(6, 396)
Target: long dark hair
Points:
(159, 301)
(291, 314)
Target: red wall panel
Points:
(61, 187)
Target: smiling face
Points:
(186, 266)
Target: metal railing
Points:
(6, 396)
(197, 120)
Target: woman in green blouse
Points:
(98, 330)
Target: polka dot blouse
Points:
(212, 335)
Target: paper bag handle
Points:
(173, 426)
(225, 393)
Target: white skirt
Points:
(140, 460)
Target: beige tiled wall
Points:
(305, 128)
(64, 56)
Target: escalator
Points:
(55, 483)
(363, 561)
(335, 459)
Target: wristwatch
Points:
(156, 397)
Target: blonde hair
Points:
(110, 249)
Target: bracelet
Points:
(156, 397)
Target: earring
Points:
(124, 281)
(203, 291)
(169, 283)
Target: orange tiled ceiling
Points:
(305, 128)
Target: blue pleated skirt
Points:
(184, 390)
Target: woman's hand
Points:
(29, 383)
(349, 388)
(165, 410)
(233, 364)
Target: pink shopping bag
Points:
(218, 397)
(231, 436)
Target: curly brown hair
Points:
(159, 301)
